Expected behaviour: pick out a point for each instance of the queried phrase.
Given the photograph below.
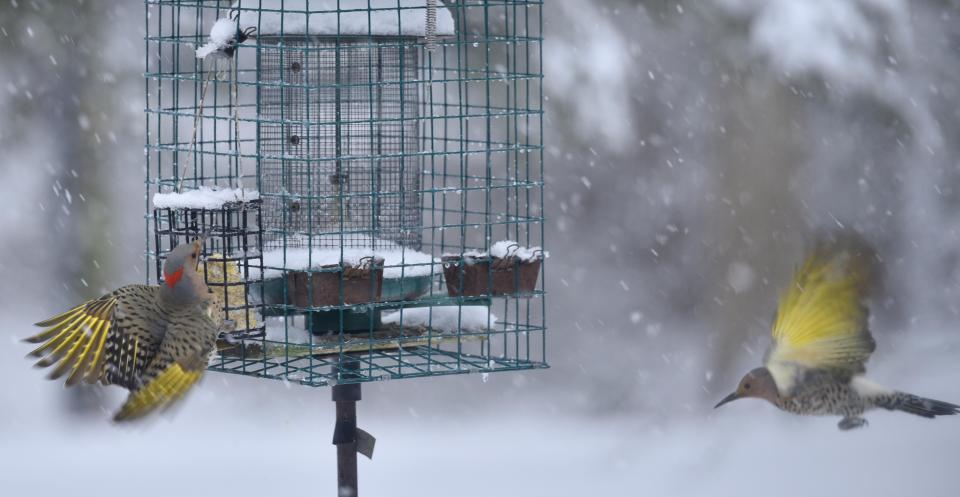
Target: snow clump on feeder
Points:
(224, 38)
(448, 318)
(341, 17)
(507, 249)
(398, 261)
(204, 197)
(279, 331)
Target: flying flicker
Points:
(151, 340)
(821, 342)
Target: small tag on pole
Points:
(365, 443)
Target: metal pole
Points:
(346, 436)
(347, 446)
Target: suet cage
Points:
(368, 175)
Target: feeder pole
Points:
(347, 451)
(346, 436)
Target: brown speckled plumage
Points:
(821, 342)
(151, 340)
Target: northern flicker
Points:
(821, 342)
(151, 340)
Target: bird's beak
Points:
(198, 249)
(726, 399)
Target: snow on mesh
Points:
(353, 17)
(221, 35)
(203, 198)
(277, 331)
(398, 261)
(506, 248)
(223, 31)
(207, 49)
(445, 318)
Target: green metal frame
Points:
(479, 157)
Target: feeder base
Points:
(324, 322)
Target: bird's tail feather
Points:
(919, 406)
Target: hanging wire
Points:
(234, 91)
(193, 135)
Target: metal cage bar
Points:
(386, 171)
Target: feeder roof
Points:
(354, 17)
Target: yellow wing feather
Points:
(167, 387)
(84, 365)
(74, 339)
(822, 320)
(93, 373)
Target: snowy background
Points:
(693, 146)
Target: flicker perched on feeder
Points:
(151, 340)
(821, 342)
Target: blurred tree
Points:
(64, 111)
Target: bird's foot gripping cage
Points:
(392, 158)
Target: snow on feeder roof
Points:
(203, 198)
(343, 17)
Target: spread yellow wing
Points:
(109, 339)
(165, 389)
(821, 321)
(75, 340)
(178, 365)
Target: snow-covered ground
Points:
(240, 436)
(690, 148)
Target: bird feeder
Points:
(349, 162)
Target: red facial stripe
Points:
(172, 279)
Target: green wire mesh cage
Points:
(368, 175)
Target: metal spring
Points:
(431, 31)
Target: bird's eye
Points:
(746, 386)
(193, 256)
